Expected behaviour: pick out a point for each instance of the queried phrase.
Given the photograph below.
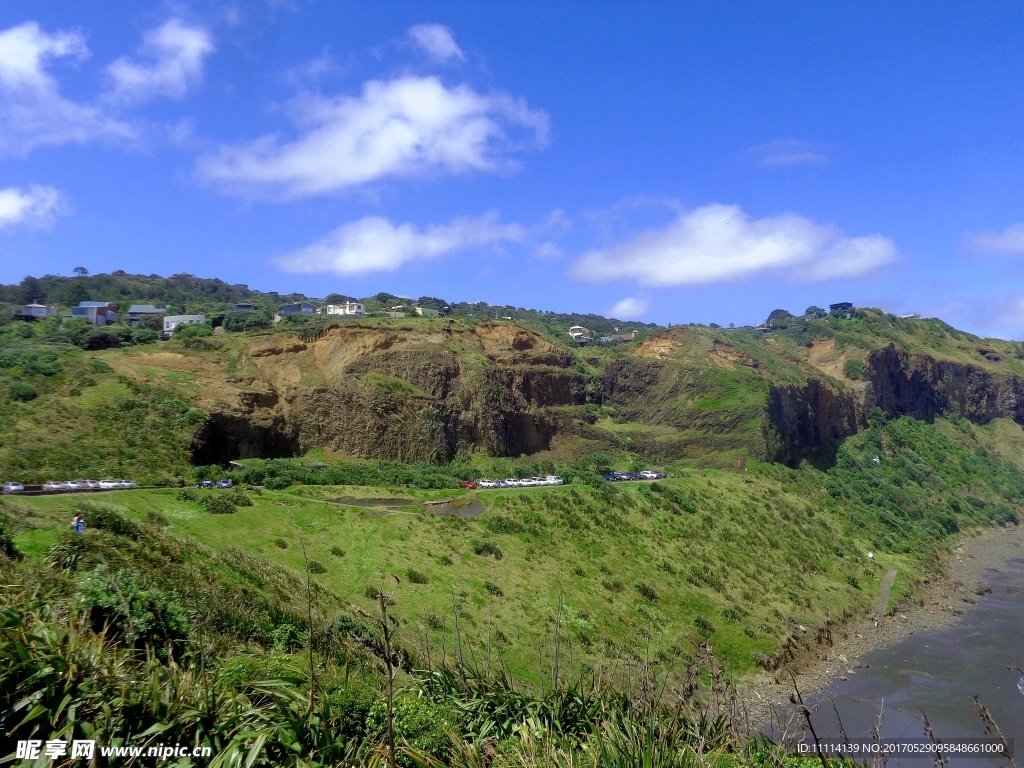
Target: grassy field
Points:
(722, 558)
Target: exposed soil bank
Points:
(942, 604)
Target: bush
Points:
(488, 549)
(19, 390)
(647, 592)
(416, 577)
(144, 336)
(218, 504)
(238, 497)
(613, 585)
(276, 483)
(337, 551)
(315, 566)
(280, 543)
(193, 331)
(371, 592)
(286, 637)
(243, 321)
(8, 548)
(493, 588)
(99, 366)
(501, 524)
(187, 494)
(854, 369)
(704, 626)
(105, 518)
(445, 560)
(422, 723)
(852, 581)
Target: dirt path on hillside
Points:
(884, 589)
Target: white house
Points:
(582, 336)
(34, 311)
(426, 312)
(95, 312)
(350, 308)
(171, 322)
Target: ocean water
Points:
(936, 672)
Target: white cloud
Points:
(402, 127)
(34, 207)
(548, 250)
(33, 112)
(177, 52)
(437, 41)
(374, 244)
(717, 243)
(628, 308)
(1008, 242)
(783, 152)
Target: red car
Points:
(468, 484)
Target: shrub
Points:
(852, 581)
(578, 571)
(646, 592)
(337, 551)
(286, 637)
(371, 592)
(193, 331)
(243, 321)
(99, 366)
(613, 585)
(19, 390)
(187, 494)
(493, 588)
(218, 504)
(238, 497)
(434, 621)
(488, 549)
(106, 518)
(501, 524)
(8, 548)
(703, 626)
(277, 483)
(156, 518)
(315, 566)
(854, 369)
(419, 721)
(354, 627)
(416, 577)
(280, 543)
(445, 560)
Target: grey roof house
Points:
(138, 311)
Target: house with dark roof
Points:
(138, 311)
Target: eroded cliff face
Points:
(907, 384)
(424, 395)
(393, 394)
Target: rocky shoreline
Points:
(941, 603)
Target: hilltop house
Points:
(349, 308)
(624, 336)
(138, 311)
(95, 312)
(842, 306)
(173, 322)
(582, 336)
(300, 308)
(33, 311)
(243, 308)
(426, 312)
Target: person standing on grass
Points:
(77, 524)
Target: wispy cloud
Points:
(717, 243)
(786, 152)
(174, 51)
(374, 244)
(628, 308)
(403, 127)
(1009, 242)
(436, 41)
(33, 112)
(35, 207)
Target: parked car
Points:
(227, 482)
(128, 484)
(54, 485)
(73, 485)
(204, 484)
(487, 484)
(652, 474)
(165, 337)
(92, 485)
(611, 477)
(109, 485)
(554, 480)
(468, 484)
(13, 488)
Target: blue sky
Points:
(704, 162)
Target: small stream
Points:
(937, 672)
